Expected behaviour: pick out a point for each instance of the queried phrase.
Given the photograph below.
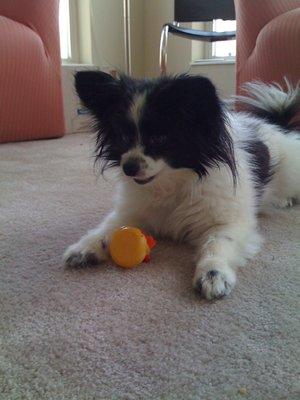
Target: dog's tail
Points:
(273, 103)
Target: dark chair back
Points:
(203, 10)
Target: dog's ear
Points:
(189, 107)
(99, 92)
(188, 102)
(188, 96)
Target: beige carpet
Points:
(106, 333)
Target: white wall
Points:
(107, 28)
(157, 13)
(222, 75)
(137, 25)
(101, 34)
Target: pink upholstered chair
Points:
(268, 41)
(31, 104)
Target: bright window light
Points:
(226, 48)
(64, 29)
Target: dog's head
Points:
(146, 127)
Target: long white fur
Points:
(218, 220)
(270, 97)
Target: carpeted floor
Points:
(106, 333)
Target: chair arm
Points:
(41, 16)
(251, 17)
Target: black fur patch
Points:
(282, 118)
(260, 163)
(183, 122)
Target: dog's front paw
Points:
(83, 254)
(215, 283)
(79, 259)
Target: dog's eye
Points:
(157, 140)
(127, 138)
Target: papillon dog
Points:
(190, 168)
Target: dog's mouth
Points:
(143, 181)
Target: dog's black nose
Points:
(131, 168)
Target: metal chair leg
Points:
(163, 55)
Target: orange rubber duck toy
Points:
(129, 247)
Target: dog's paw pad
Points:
(81, 260)
(214, 284)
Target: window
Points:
(226, 48)
(219, 51)
(65, 30)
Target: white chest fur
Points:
(183, 207)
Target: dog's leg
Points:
(221, 250)
(92, 248)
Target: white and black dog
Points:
(190, 169)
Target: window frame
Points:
(74, 34)
(214, 43)
(207, 47)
